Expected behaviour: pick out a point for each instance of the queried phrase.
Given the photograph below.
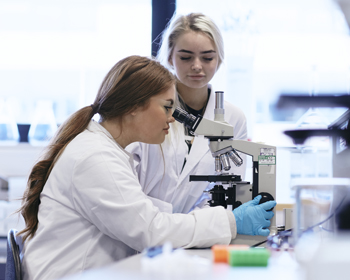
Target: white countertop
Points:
(281, 266)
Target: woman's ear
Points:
(135, 111)
(170, 60)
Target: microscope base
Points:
(249, 240)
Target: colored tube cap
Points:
(250, 257)
(221, 252)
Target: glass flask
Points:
(317, 204)
(313, 159)
(9, 134)
(43, 125)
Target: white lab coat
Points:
(159, 169)
(93, 212)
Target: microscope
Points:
(224, 148)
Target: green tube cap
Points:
(250, 257)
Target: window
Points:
(59, 51)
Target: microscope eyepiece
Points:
(189, 120)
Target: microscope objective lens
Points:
(234, 156)
(218, 167)
(225, 162)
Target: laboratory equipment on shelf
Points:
(338, 130)
(321, 245)
(318, 101)
(224, 148)
(322, 209)
(43, 125)
(4, 189)
(8, 127)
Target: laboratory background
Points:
(54, 54)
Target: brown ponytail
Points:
(41, 170)
(129, 84)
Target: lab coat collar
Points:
(209, 111)
(94, 126)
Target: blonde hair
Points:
(179, 25)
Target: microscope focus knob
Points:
(266, 197)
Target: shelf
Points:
(18, 160)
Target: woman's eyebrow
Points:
(171, 101)
(187, 51)
(210, 51)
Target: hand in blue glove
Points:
(254, 219)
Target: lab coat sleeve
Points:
(161, 205)
(136, 150)
(232, 220)
(107, 193)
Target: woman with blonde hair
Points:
(192, 48)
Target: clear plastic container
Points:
(317, 203)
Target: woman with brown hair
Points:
(84, 207)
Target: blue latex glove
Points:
(254, 219)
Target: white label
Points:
(267, 156)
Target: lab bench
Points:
(281, 265)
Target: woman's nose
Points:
(196, 65)
(171, 119)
